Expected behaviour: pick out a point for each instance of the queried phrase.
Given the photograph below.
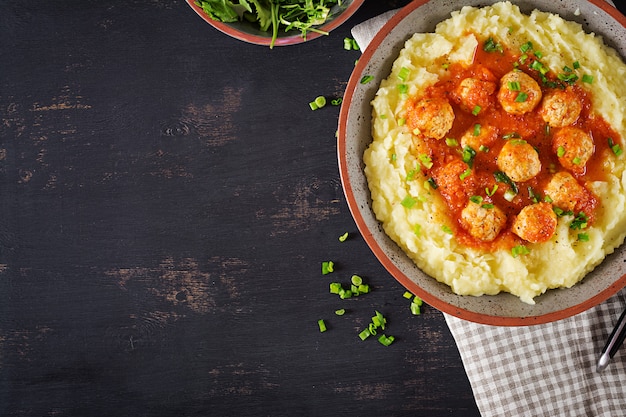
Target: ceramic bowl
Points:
(250, 32)
(354, 135)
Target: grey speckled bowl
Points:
(354, 136)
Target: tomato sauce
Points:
(530, 127)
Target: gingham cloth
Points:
(542, 370)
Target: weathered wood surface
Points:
(166, 200)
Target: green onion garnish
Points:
(468, 153)
(451, 142)
(408, 201)
(328, 267)
(404, 73)
(587, 79)
(425, 160)
(386, 340)
(322, 325)
(356, 280)
(521, 97)
(616, 148)
(465, 174)
(519, 250)
(343, 237)
(366, 79)
(583, 237)
(476, 110)
(514, 85)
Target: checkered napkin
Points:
(542, 370)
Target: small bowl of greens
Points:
(275, 22)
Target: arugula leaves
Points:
(272, 15)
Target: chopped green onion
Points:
(483, 148)
(477, 130)
(415, 309)
(519, 250)
(511, 135)
(465, 174)
(386, 340)
(548, 199)
(417, 230)
(476, 110)
(446, 229)
(616, 148)
(320, 101)
(343, 294)
(538, 54)
(487, 206)
(366, 79)
(425, 160)
(580, 221)
(576, 64)
(356, 280)
(403, 88)
(560, 151)
(350, 44)
(528, 46)
(514, 85)
(408, 295)
(587, 79)
(364, 334)
(328, 267)
(491, 192)
(583, 237)
(509, 195)
(408, 202)
(469, 154)
(432, 183)
(340, 312)
(336, 101)
(491, 46)
(451, 142)
(411, 175)
(476, 199)
(364, 289)
(343, 237)
(521, 97)
(401, 121)
(335, 288)
(403, 75)
(322, 325)
(576, 161)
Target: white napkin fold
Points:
(542, 370)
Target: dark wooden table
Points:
(167, 198)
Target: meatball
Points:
(486, 136)
(519, 160)
(454, 189)
(573, 147)
(483, 222)
(564, 191)
(519, 93)
(431, 117)
(473, 92)
(535, 223)
(560, 108)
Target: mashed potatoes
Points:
(418, 213)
